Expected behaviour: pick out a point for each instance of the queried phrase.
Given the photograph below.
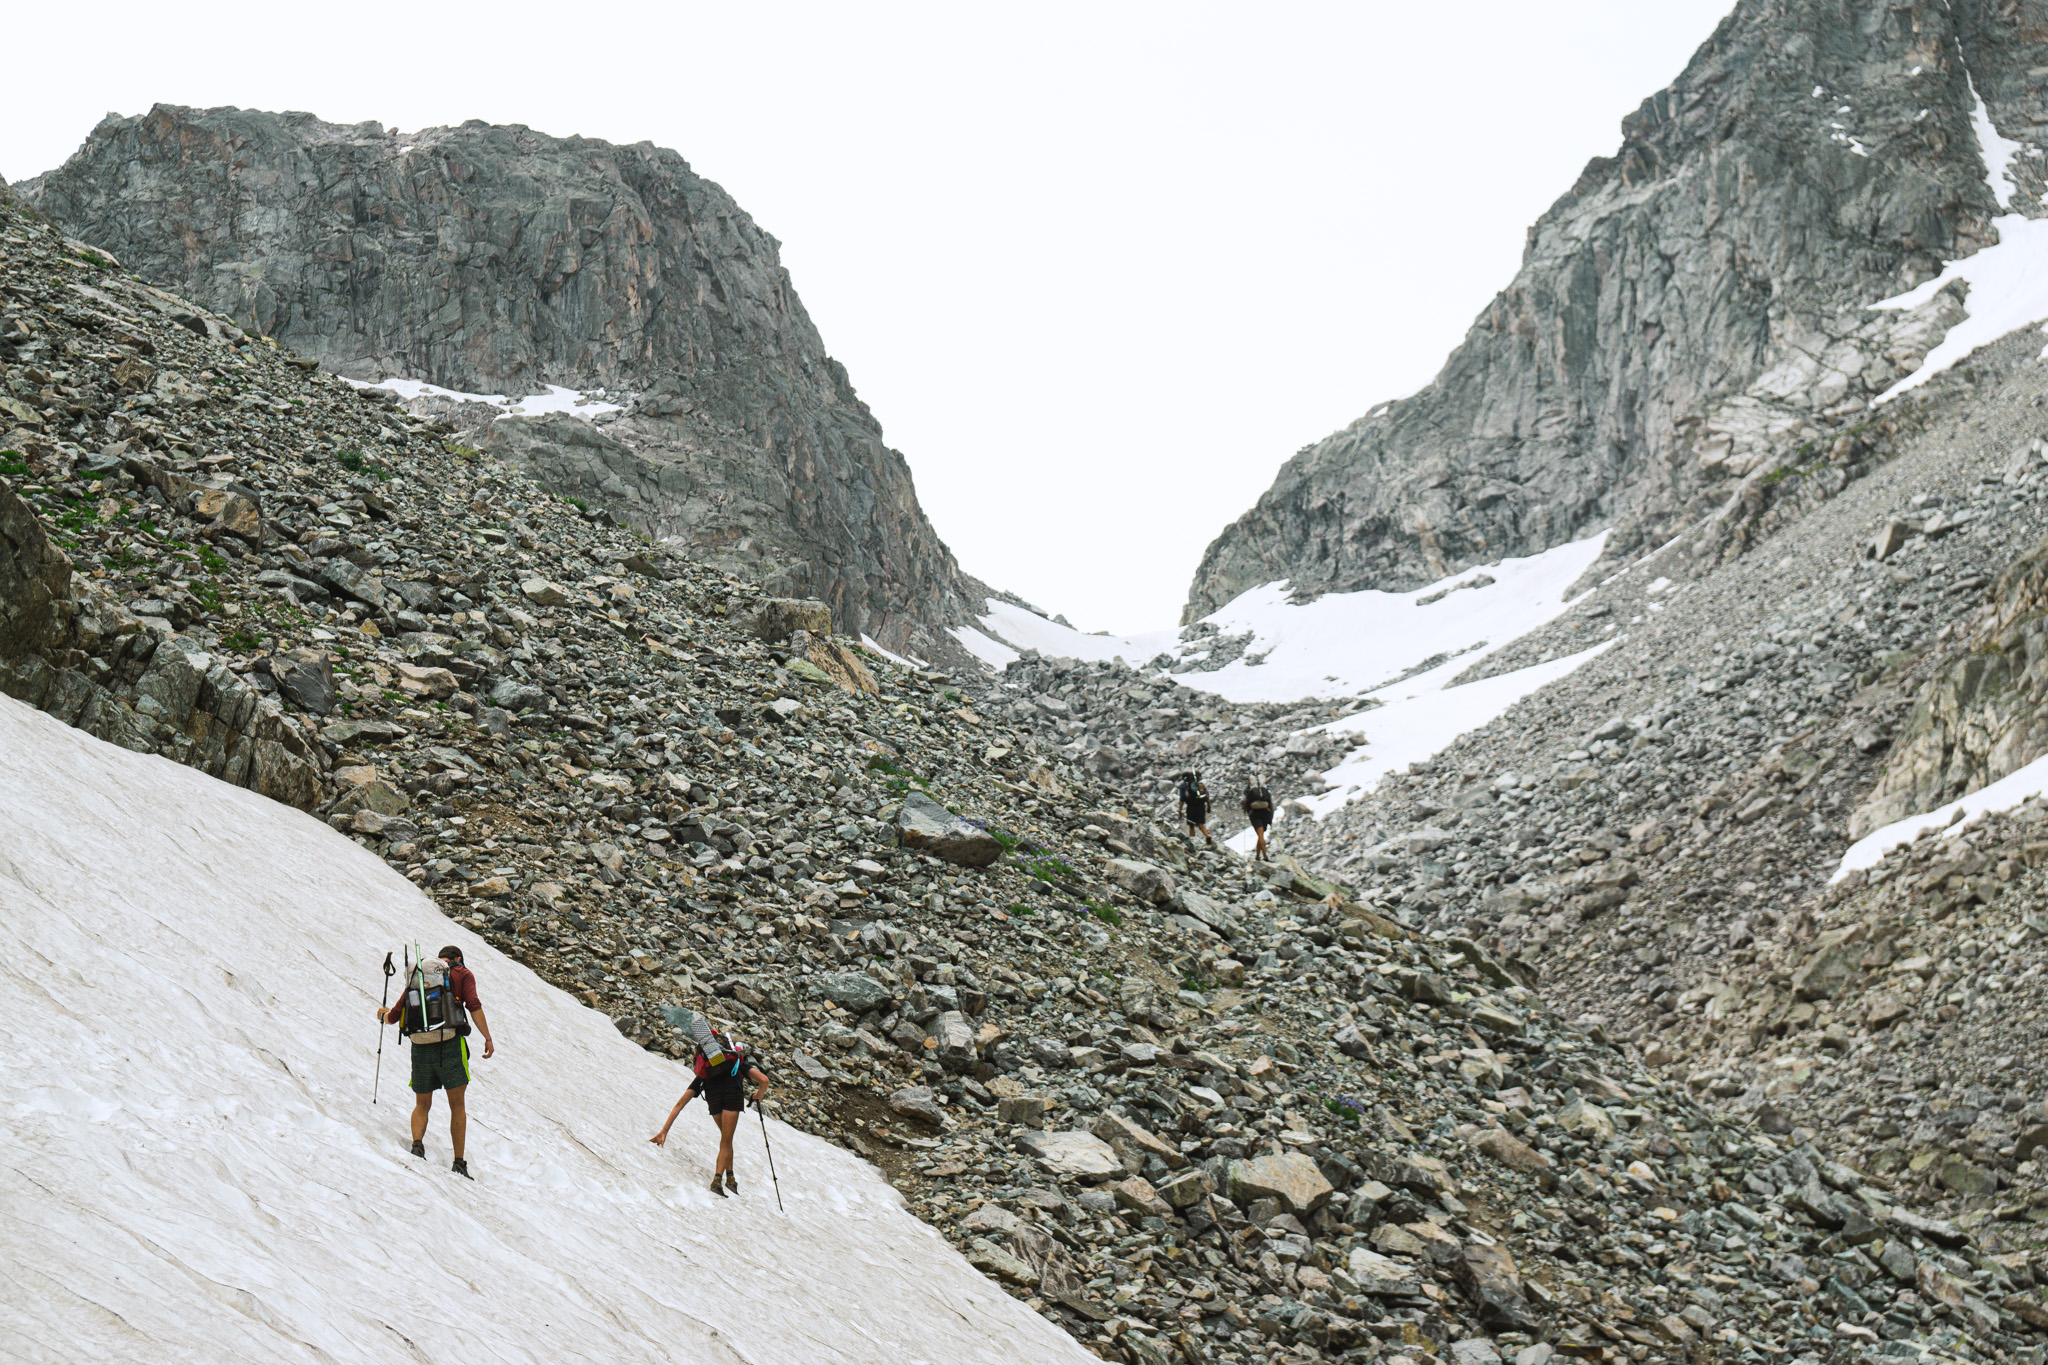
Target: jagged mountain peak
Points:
(489, 259)
(1691, 312)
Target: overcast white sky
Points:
(1098, 268)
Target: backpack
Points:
(433, 1011)
(719, 1058)
(1258, 801)
(1192, 791)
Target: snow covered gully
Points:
(191, 1169)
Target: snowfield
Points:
(193, 1170)
(2008, 281)
(1368, 644)
(1343, 644)
(2007, 793)
(575, 402)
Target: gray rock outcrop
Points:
(1982, 718)
(498, 260)
(927, 826)
(65, 648)
(1688, 315)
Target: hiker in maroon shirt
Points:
(444, 1063)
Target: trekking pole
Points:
(383, 1004)
(773, 1178)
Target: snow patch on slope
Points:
(1417, 720)
(575, 402)
(195, 1172)
(1998, 151)
(2008, 291)
(1377, 645)
(2003, 795)
(2008, 282)
(1343, 644)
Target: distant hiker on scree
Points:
(434, 1012)
(1194, 805)
(722, 1064)
(1258, 808)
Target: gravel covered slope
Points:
(1184, 1105)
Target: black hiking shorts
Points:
(1262, 820)
(1198, 813)
(723, 1095)
(440, 1066)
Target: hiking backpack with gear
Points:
(720, 1058)
(1192, 792)
(433, 1010)
(1258, 801)
(718, 1055)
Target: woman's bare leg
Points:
(727, 1122)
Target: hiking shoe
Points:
(731, 1184)
(717, 1185)
(461, 1168)
(419, 1148)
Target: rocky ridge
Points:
(1184, 1104)
(1652, 839)
(1689, 313)
(499, 260)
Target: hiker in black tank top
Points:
(725, 1096)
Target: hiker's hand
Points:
(660, 1139)
(489, 1046)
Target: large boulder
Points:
(952, 1039)
(1289, 1177)
(778, 618)
(1071, 1154)
(1134, 1143)
(854, 992)
(1148, 883)
(928, 827)
(918, 1102)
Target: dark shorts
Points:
(725, 1095)
(1198, 814)
(1262, 820)
(440, 1066)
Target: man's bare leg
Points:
(458, 1119)
(422, 1106)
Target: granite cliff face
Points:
(1692, 312)
(499, 260)
(1985, 715)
